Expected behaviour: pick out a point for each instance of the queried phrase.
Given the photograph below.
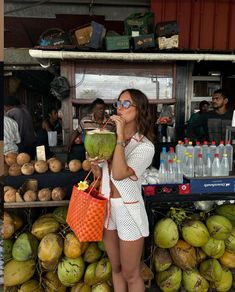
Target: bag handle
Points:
(94, 182)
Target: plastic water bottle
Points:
(224, 165)
(190, 149)
(185, 161)
(162, 172)
(212, 150)
(199, 166)
(189, 169)
(163, 156)
(207, 167)
(220, 150)
(205, 150)
(180, 149)
(171, 154)
(216, 165)
(197, 150)
(170, 172)
(229, 150)
(178, 172)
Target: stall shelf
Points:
(65, 179)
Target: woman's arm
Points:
(120, 169)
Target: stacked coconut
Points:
(48, 257)
(18, 164)
(194, 253)
(12, 195)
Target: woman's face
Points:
(127, 109)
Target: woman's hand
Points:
(120, 126)
(96, 170)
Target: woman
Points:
(127, 223)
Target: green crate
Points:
(141, 22)
(117, 43)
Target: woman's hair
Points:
(144, 118)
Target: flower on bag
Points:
(82, 185)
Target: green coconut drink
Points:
(100, 144)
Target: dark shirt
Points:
(214, 125)
(24, 120)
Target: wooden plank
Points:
(110, 101)
(36, 204)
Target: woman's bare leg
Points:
(130, 255)
(111, 242)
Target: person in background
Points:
(214, 122)
(51, 123)
(11, 135)
(198, 134)
(96, 119)
(22, 116)
(126, 224)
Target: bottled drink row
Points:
(194, 161)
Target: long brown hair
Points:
(144, 119)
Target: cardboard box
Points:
(144, 41)
(168, 42)
(167, 28)
(116, 43)
(207, 185)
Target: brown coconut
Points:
(9, 194)
(75, 165)
(58, 194)
(23, 158)
(228, 259)
(184, 255)
(162, 259)
(30, 196)
(10, 158)
(27, 169)
(44, 194)
(14, 170)
(41, 166)
(55, 165)
(86, 165)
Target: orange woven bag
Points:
(86, 214)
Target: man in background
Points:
(11, 135)
(214, 122)
(197, 134)
(22, 116)
(96, 119)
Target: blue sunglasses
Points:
(125, 104)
